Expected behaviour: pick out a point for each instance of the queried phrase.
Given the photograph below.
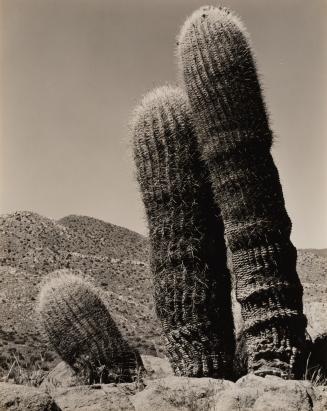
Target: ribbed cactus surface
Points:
(188, 252)
(81, 330)
(235, 139)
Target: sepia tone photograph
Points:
(163, 197)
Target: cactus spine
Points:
(82, 332)
(188, 253)
(233, 132)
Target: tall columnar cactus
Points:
(81, 330)
(188, 252)
(235, 139)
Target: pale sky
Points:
(73, 70)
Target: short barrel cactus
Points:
(81, 330)
(234, 137)
(188, 252)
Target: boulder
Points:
(320, 403)
(156, 367)
(316, 312)
(179, 393)
(61, 376)
(14, 397)
(266, 394)
(106, 397)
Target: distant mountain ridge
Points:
(106, 239)
(73, 233)
(321, 251)
(32, 246)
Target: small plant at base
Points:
(23, 376)
(316, 363)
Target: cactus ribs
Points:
(188, 252)
(81, 330)
(235, 140)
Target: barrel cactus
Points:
(231, 124)
(77, 322)
(188, 252)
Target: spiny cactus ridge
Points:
(188, 252)
(81, 330)
(232, 127)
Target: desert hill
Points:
(322, 251)
(93, 236)
(32, 246)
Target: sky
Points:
(71, 72)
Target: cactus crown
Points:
(219, 72)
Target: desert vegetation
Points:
(99, 297)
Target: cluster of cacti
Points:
(188, 253)
(82, 331)
(205, 170)
(227, 116)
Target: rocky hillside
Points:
(115, 258)
(312, 269)
(32, 246)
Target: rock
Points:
(106, 397)
(15, 397)
(271, 401)
(316, 313)
(234, 399)
(320, 403)
(156, 367)
(266, 394)
(61, 376)
(178, 393)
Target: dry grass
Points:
(21, 375)
(188, 399)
